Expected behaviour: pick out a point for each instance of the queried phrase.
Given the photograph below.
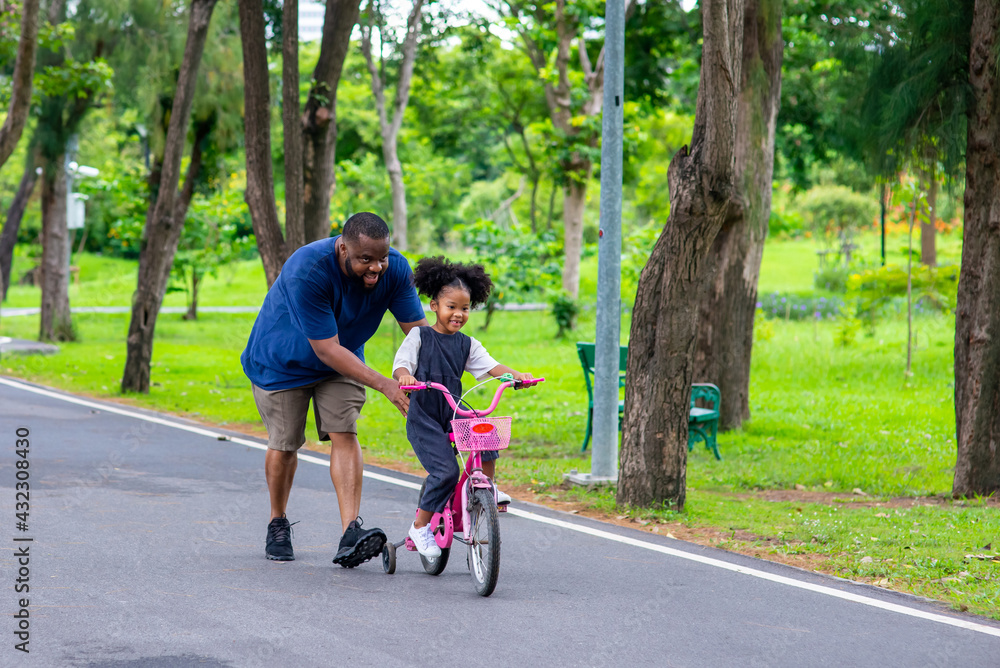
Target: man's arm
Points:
(346, 363)
(407, 326)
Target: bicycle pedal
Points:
(502, 509)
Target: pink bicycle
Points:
(472, 507)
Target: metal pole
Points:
(604, 461)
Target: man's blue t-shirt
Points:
(314, 299)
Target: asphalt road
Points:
(148, 545)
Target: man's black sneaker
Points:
(359, 545)
(279, 540)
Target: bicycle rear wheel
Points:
(484, 542)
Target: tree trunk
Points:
(400, 220)
(533, 173)
(257, 130)
(165, 224)
(56, 324)
(192, 312)
(729, 288)
(12, 224)
(977, 317)
(20, 93)
(703, 195)
(574, 202)
(390, 128)
(928, 232)
(320, 117)
(291, 114)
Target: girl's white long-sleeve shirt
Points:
(479, 364)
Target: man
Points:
(308, 344)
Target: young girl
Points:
(441, 353)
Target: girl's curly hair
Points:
(433, 274)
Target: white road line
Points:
(535, 517)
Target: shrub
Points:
(521, 264)
(785, 224)
(834, 213)
(847, 331)
(832, 278)
(763, 329)
(878, 290)
(564, 309)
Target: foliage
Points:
(565, 310)
(796, 306)
(217, 231)
(520, 264)
(763, 328)
(916, 96)
(662, 54)
(832, 278)
(637, 246)
(662, 134)
(785, 224)
(875, 290)
(116, 209)
(847, 330)
(836, 213)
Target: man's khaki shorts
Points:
(337, 403)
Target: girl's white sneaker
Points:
(423, 538)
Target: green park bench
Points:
(703, 421)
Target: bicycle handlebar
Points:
(516, 384)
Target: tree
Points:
(977, 316)
(20, 94)
(12, 223)
(319, 118)
(514, 101)
(257, 128)
(390, 127)
(213, 237)
(703, 195)
(68, 89)
(317, 124)
(729, 286)
(573, 108)
(166, 218)
(914, 100)
(295, 233)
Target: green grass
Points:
(826, 420)
(105, 281)
(788, 264)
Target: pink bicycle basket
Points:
(478, 434)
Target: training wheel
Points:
(389, 558)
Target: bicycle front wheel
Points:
(484, 542)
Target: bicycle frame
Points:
(456, 517)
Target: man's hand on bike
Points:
(396, 396)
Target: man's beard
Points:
(359, 279)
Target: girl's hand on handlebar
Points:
(407, 379)
(522, 376)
